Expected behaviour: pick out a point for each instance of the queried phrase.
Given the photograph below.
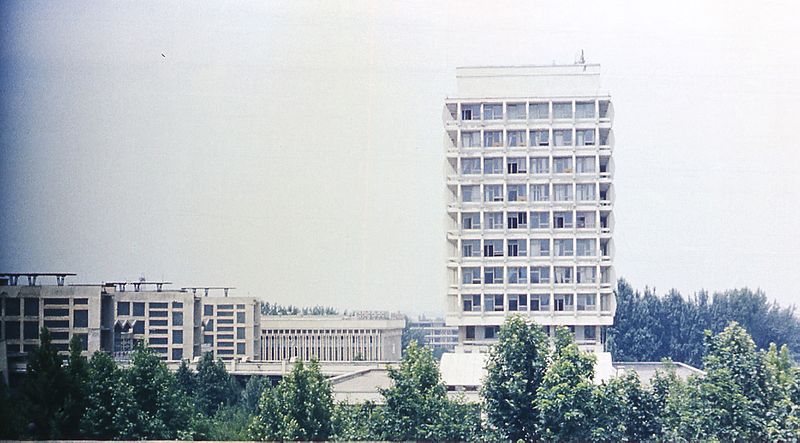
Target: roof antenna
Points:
(581, 60)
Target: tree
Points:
(515, 370)
(150, 405)
(252, 392)
(101, 390)
(355, 422)
(417, 407)
(45, 389)
(783, 414)
(186, 378)
(75, 397)
(299, 408)
(213, 385)
(564, 397)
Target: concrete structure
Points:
(530, 197)
(437, 334)
(115, 316)
(331, 338)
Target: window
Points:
(158, 331)
(603, 108)
(12, 307)
(490, 332)
(562, 302)
(562, 219)
(584, 219)
(123, 308)
(80, 318)
(224, 314)
(470, 166)
(562, 274)
(158, 340)
(31, 306)
(562, 193)
(540, 247)
(177, 318)
(494, 220)
(138, 327)
(605, 302)
(493, 275)
(517, 220)
(540, 220)
(80, 301)
(517, 165)
(157, 322)
(540, 137)
(540, 165)
(540, 193)
(470, 332)
(589, 333)
(158, 305)
(56, 312)
(585, 192)
(471, 303)
(470, 112)
(158, 314)
(240, 348)
(470, 248)
(584, 137)
(540, 302)
(587, 274)
(493, 139)
(585, 247)
(470, 139)
(493, 111)
(177, 354)
(562, 165)
(540, 274)
(584, 165)
(516, 138)
(517, 274)
(517, 193)
(240, 317)
(470, 220)
(493, 303)
(493, 248)
(208, 310)
(84, 340)
(12, 328)
(30, 330)
(562, 110)
(517, 248)
(515, 111)
(138, 309)
(562, 137)
(584, 110)
(471, 276)
(240, 333)
(177, 336)
(470, 193)
(493, 165)
(209, 325)
(208, 339)
(540, 111)
(586, 302)
(563, 247)
(55, 301)
(517, 302)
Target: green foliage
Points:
(75, 400)
(564, 397)
(417, 407)
(214, 387)
(252, 392)
(101, 391)
(515, 370)
(355, 422)
(299, 408)
(268, 308)
(45, 389)
(649, 328)
(185, 378)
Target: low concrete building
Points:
(331, 338)
(437, 334)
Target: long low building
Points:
(331, 338)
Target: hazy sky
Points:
(294, 149)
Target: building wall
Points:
(232, 327)
(330, 339)
(530, 200)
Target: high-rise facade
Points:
(530, 201)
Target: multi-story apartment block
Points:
(529, 180)
(437, 334)
(116, 316)
(331, 338)
(231, 326)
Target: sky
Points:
(294, 149)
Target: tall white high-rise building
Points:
(530, 199)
